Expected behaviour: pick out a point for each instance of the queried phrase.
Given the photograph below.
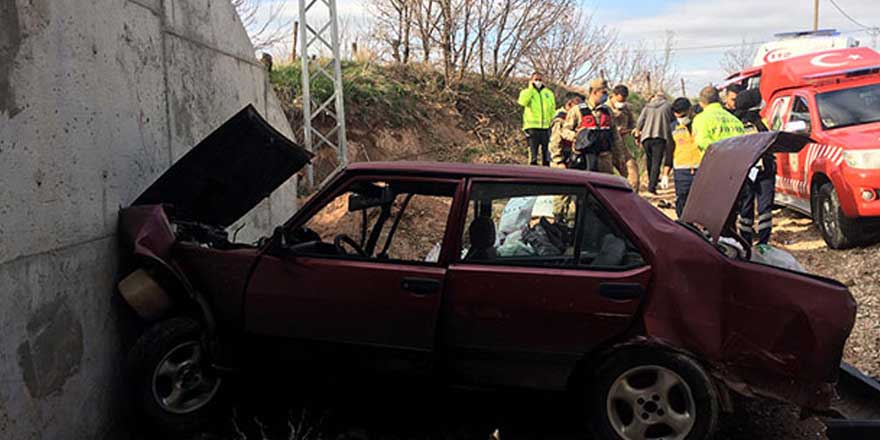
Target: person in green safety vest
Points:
(714, 123)
(539, 107)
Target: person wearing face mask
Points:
(539, 106)
(625, 122)
(562, 138)
(596, 133)
(686, 156)
(653, 128)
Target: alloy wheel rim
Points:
(651, 402)
(180, 383)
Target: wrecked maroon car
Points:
(475, 274)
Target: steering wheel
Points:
(344, 239)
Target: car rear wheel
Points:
(647, 393)
(838, 231)
(177, 391)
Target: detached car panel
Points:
(479, 274)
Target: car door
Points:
(387, 300)
(778, 117)
(525, 311)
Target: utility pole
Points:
(293, 46)
(815, 15)
(683, 89)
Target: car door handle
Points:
(621, 291)
(420, 286)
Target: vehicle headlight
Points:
(864, 159)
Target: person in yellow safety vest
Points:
(561, 137)
(714, 123)
(539, 106)
(686, 156)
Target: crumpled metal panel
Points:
(723, 171)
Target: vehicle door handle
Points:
(621, 291)
(420, 286)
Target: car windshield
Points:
(855, 106)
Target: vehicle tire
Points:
(643, 393)
(838, 231)
(175, 389)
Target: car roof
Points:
(818, 69)
(459, 170)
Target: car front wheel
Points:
(647, 393)
(838, 231)
(177, 390)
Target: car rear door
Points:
(525, 320)
(386, 303)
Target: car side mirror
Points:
(799, 127)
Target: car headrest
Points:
(482, 232)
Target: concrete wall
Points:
(97, 99)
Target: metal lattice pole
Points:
(321, 57)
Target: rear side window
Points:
(543, 225)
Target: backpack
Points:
(594, 134)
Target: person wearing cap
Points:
(596, 133)
(760, 187)
(561, 137)
(686, 156)
(653, 128)
(539, 106)
(625, 122)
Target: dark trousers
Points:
(655, 152)
(762, 191)
(539, 140)
(683, 178)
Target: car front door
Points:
(363, 269)
(560, 279)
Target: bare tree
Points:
(738, 58)
(264, 22)
(393, 25)
(644, 70)
(585, 47)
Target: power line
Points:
(850, 18)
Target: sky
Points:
(696, 24)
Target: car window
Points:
(777, 115)
(541, 225)
(800, 111)
(383, 220)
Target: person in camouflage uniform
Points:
(561, 137)
(625, 122)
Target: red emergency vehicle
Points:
(834, 97)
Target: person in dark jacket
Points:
(760, 185)
(654, 130)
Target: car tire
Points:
(176, 390)
(838, 231)
(643, 392)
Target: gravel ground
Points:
(368, 412)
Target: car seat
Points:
(482, 237)
(612, 252)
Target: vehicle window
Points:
(844, 108)
(379, 220)
(541, 225)
(800, 111)
(778, 113)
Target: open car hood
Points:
(229, 172)
(722, 173)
